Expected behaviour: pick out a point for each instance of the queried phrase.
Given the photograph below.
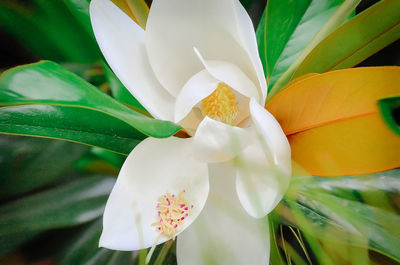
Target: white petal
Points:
(215, 141)
(273, 136)
(200, 86)
(249, 42)
(231, 75)
(174, 27)
(122, 42)
(153, 168)
(224, 233)
(258, 182)
(264, 168)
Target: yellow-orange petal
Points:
(354, 146)
(333, 124)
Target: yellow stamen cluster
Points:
(171, 211)
(221, 105)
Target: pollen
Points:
(221, 105)
(172, 211)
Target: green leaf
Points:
(275, 254)
(109, 257)
(92, 73)
(356, 210)
(16, 20)
(114, 159)
(80, 10)
(294, 30)
(78, 202)
(390, 111)
(47, 28)
(119, 91)
(83, 244)
(84, 249)
(28, 164)
(11, 242)
(261, 36)
(47, 83)
(356, 40)
(285, 30)
(101, 161)
(75, 124)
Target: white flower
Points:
(196, 64)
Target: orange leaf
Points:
(332, 121)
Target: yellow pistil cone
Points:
(221, 105)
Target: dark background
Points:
(13, 53)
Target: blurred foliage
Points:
(24, 163)
(50, 29)
(354, 216)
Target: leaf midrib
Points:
(324, 123)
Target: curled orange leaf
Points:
(333, 123)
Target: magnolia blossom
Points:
(196, 64)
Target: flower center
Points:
(221, 105)
(172, 211)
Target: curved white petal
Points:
(215, 141)
(231, 75)
(122, 42)
(264, 168)
(258, 183)
(217, 28)
(249, 42)
(273, 136)
(153, 168)
(200, 86)
(224, 233)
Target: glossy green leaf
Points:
(357, 210)
(261, 35)
(315, 20)
(48, 83)
(27, 164)
(390, 111)
(83, 249)
(355, 41)
(78, 202)
(48, 29)
(285, 30)
(73, 124)
(119, 91)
